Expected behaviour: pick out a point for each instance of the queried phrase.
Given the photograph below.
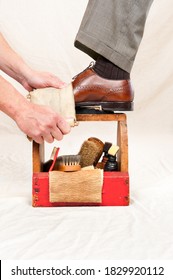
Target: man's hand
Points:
(41, 123)
(37, 121)
(14, 66)
(35, 79)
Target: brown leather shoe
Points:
(94, 92)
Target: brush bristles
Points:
(68, 160)
(89, 153)
(113, 150)
(68, 163)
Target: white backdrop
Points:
(43, 32)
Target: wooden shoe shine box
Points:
(115, 189)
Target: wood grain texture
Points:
(37, 156)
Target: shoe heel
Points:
(118, 106)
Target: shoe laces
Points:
(89, 66)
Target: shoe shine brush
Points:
(68, 163)
(90, 152)
(100, 147)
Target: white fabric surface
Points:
(43, 32)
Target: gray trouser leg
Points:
(113, 29)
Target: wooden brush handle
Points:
(69, 168)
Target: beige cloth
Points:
(60, 100)
(84, 186)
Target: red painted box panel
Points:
(115, 190)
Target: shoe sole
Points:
(106, 106)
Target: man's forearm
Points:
(11, 101)
(11, 63)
